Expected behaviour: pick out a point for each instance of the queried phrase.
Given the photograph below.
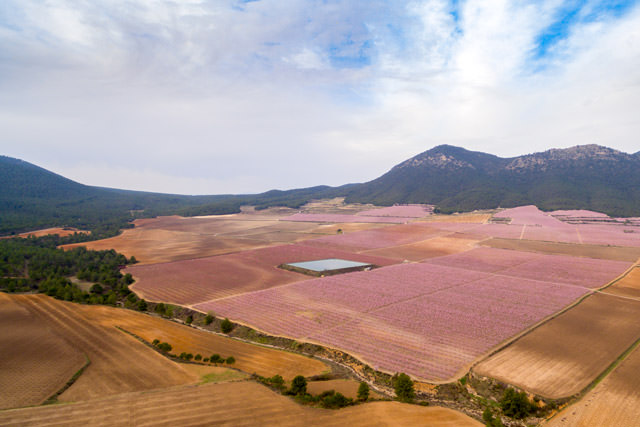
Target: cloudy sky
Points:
(231, 96)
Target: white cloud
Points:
(201, 95)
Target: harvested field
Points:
(428, 320)
(348, 388)
(628, 286)
(228, 404)
(435, 247)
(62, 232)
(119, 363)
(613, 402)
(36, 362)
(312, 217)
(378, 238)
(199, 280)
(249, 358)
(554, 248)
(214, 374)
(402, 211)
(474, 218)
(563, 356)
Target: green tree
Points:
(198, 357)
(215, 358)
(299, 385)
(226, 326)
(142, 305)
(231, 360)
(96, 289)
(515, 405)
(208, 319)
(363, 391)
(404, 388)
(490, 420)
(155, 342)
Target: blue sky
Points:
(244, 96)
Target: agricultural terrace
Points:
(613, 402)
(312, 217)
(236, 403)
(431, 320)
(402, 211)
(198, 280)
(552, 361)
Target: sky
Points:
(232, 96)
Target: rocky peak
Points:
(560, 155)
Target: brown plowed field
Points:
(613, 402)
(249, 358)
(471, 218)
(617, 253)
(229, 404)
(628, 286)
(35, 362)
(438, 246)
(563, 356)
(173, 238)
(119, 363)
(200, 280)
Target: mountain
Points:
(32, 197)
(454, 179)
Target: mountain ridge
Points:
(590, 177)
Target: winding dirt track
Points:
(228, 404)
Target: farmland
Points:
(119, 363)
(430, 320)
(551, 360)
(613, 402)
(228, 404)
(195, 281)
(628, 286)
(31, 377)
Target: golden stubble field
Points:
(174, 238)
(563, 356)
(228, 404)
(46, 352)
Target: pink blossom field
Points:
(428, 319)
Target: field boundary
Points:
(53, 399)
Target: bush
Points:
(156, 342)
(205, 360)
(489, 420)
(231, 360)
(298, 385)
(277, 381)
(333, 400)
(515, 405)
(404, 388)
(215, 358)
(226, 326)
(363, 391)
(163, 346)
(160, 309)
(189, 320)
(208, 319)
(198, 357)
(96, 289)
(142, 305)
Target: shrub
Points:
(363, 391)
(515, 405)
(96, 289)
(215, 358)
(231, 360)
(198, 357)
(163, 346)
(404, 388)
(205, 360)
(334, 400)
(226, 326)
(142, 305)
(208, 319)
(156, 342)
(160, 309)
(489, 420)
(298, 385)
(189, 320)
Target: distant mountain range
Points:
(454, 179)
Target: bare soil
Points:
(35, 360)
(563, 356)
(613, 402)
(437, 246)
(617, 253)
(628, 286)
(230, 404)
(348, 388)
